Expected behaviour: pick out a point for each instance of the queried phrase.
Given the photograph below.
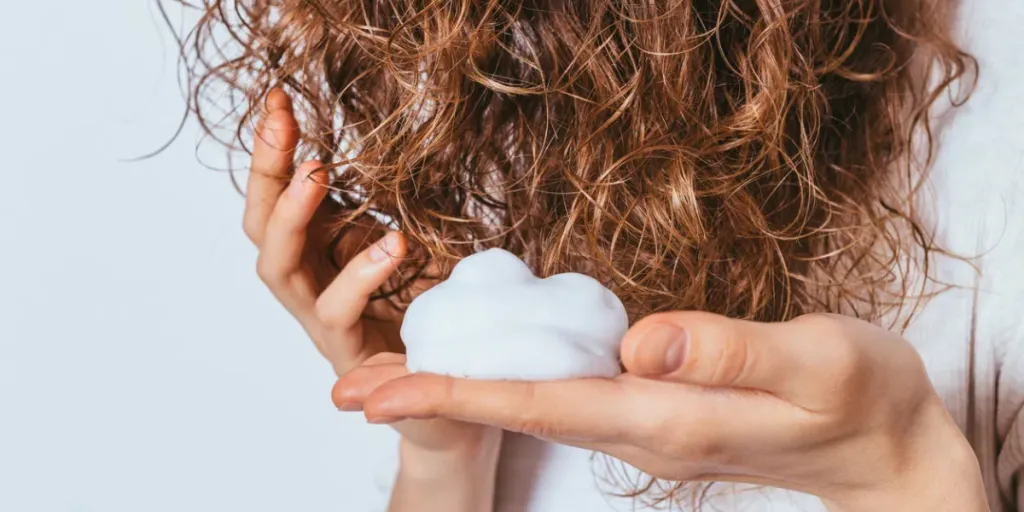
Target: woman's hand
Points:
(287, 216)
(823, 404)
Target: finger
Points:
(276, 137)
(341, 305)
(712, 350)
(679, 421)
(352, 388)
(285, 236)
(584, 410)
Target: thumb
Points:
(712, 350)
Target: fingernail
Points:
(670, 342)
(384, 248)
(267, 107)
(350, 406)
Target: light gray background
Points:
(143, 367)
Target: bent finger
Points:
(285, 237)
(277, 135)
(342, 303)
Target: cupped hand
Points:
(823, 404)
(287, 216)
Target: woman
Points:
(745, 175)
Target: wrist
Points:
(478, 454)
(940, 473)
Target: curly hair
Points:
(754, 158)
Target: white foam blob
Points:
(493, 319)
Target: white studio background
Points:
(143, 367)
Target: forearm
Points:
(458, 481)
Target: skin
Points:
(444, 464)
(824, 404)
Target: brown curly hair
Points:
(754, 158)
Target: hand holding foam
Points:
(493, 319)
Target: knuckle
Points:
(660, 430)
(537, 428)
(268, 272)
(733, 362)
(530, 423)
(684, 437)
(706, 443)
(708, 449)
(275, 123)
(825, 325)
(445, 396)
(845, 363)
(251, 228)
(326, 312)
(724, 362)
(702, 447)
